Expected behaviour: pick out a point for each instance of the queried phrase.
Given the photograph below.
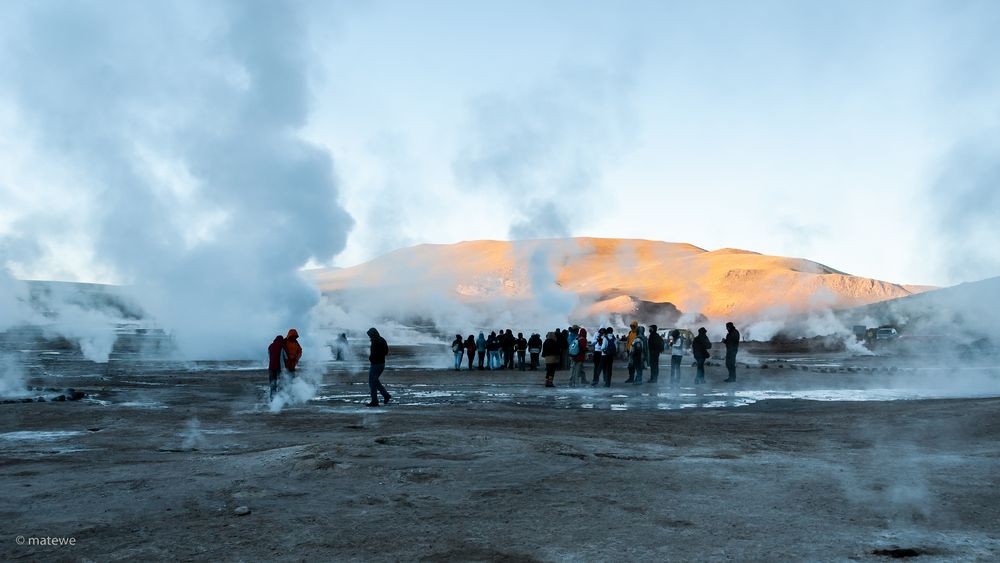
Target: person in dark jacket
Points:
(470, 349)
(535, 349)
(699, 348)
(608, 357)
(274, 359)
(493, 351)
(521, 346)
(655, 349)
(481, 349)
(562, 339)
(379, 350)
(508, 342)
(551, 357)
(732, 342)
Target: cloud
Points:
(964, 205)
(179, 124)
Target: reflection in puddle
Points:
(39, 436)
(646, 399)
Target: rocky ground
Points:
(476, 467)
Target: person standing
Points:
(522, 347)
(608, 357)
(732, 342)
(550, 355)
(470, 349)
(655, 349)
(341, 347)
(628, 350)
(493, 351)
(293, 351)
(481, 349)
(676, 344)
(508, 344)
(699, 348)
(458, 349)
(274, 358)
(577, 354)
(639, 351)
(379, 350)
(535, 349)
(598, 348)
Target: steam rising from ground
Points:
(179, 122)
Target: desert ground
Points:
(853, 459)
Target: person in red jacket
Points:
(293, 350)
(274, 356)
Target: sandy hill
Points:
(591, 277)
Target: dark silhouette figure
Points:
(732, 342)
(535, 349)
(610, 351)
(470, 350)
(550, 353)
(379, 350)
(655, 349)
(481, 349)
(508, 342)
(275, 353)
(699, 348)
(522, 347)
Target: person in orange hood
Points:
(293, 350)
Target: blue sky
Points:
(859, 134)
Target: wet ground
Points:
(823, 457)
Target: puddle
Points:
(39, 435)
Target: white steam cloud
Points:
(178, 125)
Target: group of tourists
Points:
(497, 351)
(568, 349)
(561, 349)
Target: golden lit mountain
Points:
(599, 278)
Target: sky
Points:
(145, 140)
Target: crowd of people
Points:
(561, 349)
(568, 349)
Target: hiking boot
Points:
(372, 404)
(729, 379)
(386, 399)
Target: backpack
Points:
(574, 347)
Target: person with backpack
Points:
(608, 357)
(577, 352)
(535, 349)
(655, 349)
(379, 350)
(458, 349)
(639, 351)
(521, 345)
(699, 348)
(470, 350)
(676, 344)
(598, 348)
